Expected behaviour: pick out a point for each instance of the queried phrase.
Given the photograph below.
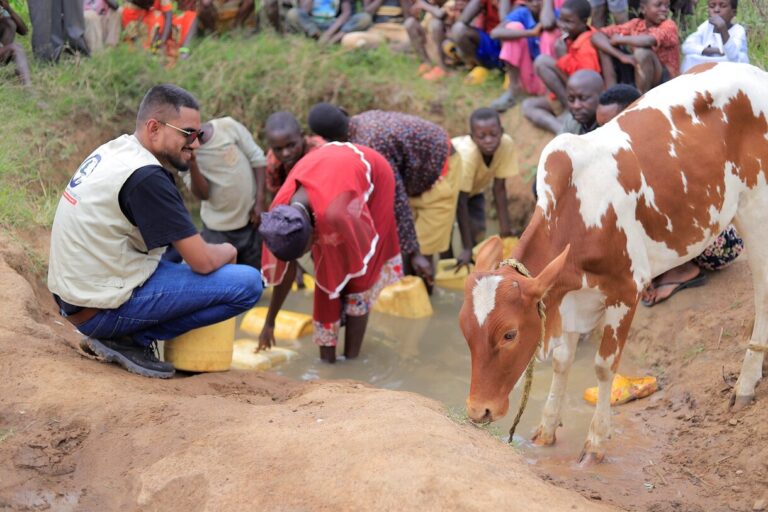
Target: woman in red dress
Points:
(338, 202)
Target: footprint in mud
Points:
(49, 451)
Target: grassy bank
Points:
(75, 106)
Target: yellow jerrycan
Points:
(407, 298)
(245, 356)
(289, 325)
(508, 244)
(448, 277)
(205, 349)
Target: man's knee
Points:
(644, 55)
(247, 284)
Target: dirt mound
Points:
(79, 435)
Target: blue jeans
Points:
(175, 300)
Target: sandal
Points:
(699, 280)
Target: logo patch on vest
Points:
(85, 170)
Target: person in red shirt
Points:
(287, 145)
(642, 52)
(155, 26)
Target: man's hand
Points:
(464, 260)
(423, 268)
(266, 338)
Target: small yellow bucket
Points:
(289, 325)
(448, 277)
(508, 244)
(206, 349)
(407, 298)
(245, 356)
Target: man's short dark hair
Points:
(620, 94)
(282, 122)
(483, 114)
(582, 8)
(329, 121)
(162, 97)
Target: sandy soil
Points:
(80, 435)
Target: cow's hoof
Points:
(542, 439)
(589, 459)
(740, 402)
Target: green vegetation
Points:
(79, 104)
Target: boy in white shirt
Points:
(717, 39)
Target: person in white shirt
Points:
(717, 39)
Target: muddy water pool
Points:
(430, 357)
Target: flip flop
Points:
(699, 280)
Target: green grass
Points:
(79, 104)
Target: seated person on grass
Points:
(613, 101)
(427, 174)
(718, 39)
(641, 52)
(227, 174)
(211, 13)
(474, 44)
(582, 92)
(574, 50)
(381, 21)
(619, 10)
(488, 155)
(10, 25)
(102, 24)
(319, 19)
(520, 35)
(155, 26)
(439, 17)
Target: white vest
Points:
(97, 256)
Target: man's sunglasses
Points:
(189, 133)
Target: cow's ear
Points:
(490, 254)
(544, 281)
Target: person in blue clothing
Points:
(520, 35)
(320, 19)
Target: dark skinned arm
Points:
(260, 174)
(371, 6)
(435, 11)
(346, 12)
(462, 215)
(505, 6)
(639, 41)
(503, 33)
(279, 293)
(203, 257)
(601, 43)
(500, 196)
(21, 27)
(198, 184)
(547, 17)
(471, 11)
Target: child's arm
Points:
(21, 27)
(371, 6)
(601, 42)
(346, 12)
(462, 216)
(736, 49)
(503, 33)
(547, 17)
(470, 12)
(638, 41)
(434, 10)
(502, 210)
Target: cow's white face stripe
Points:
(484, 297)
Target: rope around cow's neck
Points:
(517, 265)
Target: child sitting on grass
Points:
(439, 17)
(574, 50)
(520, 35)
(718, 39)
(641, 52)
(10, 25)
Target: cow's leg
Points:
(751, 228)
(562, 360)
(618, 318)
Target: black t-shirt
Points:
(150, 201)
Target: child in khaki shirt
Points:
(488, 155)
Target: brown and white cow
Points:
(617, 207)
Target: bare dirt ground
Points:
(80, 435)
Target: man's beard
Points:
(176, 162)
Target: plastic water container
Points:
(508, 244)
(407, 298)
(206, 349)
(245, 356)
(289, 325)
(448, 277)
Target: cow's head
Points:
(500, 320)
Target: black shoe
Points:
(131, 356)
